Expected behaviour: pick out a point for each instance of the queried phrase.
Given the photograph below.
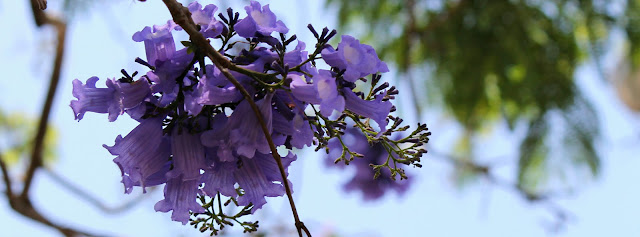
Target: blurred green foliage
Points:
(503, 60)
(16, 138)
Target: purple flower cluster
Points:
(198, 134)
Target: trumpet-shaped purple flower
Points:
(322, 91)
(377, 109)
(362, 180)
(214, 88)
(218, 137)
(158, 41)
(246, 134)
(142, 155)
(97, 100)
(165, 77)
(257, 176)
(259, 20)
(188, 154)
(328, 93)
(115, 99)
(134, 93)
(256, 59)
(307, 92)
(302, 133)
(209, 26)
(298, 128)
(180, 196)
(298, 56)
(359, 60)
(219, 176)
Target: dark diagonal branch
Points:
(182, 17)
(23, 206)
(6, 178)
(38, 142)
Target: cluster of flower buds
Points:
(199, 135)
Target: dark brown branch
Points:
(5, 177)
(182, 17)
(38, 15)
(42, 4)
(38, 143)
(23, 206)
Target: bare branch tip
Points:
(42, 4)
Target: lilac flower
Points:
(362, 180)
(158, 41)
(328, 93)
(165, 77)
(298, 56)
(214, 88)
(256, 59)
(377, 109)
(134, 93)
(257, 176)
(209, 26)
(298, 128)
(322, 91)
(188, 154)
(219, 176)
(359, 60)
(218, 137)
(97, 100)
(307, 92)
(191, 104)
(259, 20)
(114, 99)
(246, 134)
(142, 154)
(180, 197)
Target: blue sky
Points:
(100, 44)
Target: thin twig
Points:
(544, 199)
(92, 199)
(182, 17)
(23, 206)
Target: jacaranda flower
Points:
(258, 177)
(141, 154)
(259, 20)
(158, 41)
(97, 100)
(180, 197)
(377, 109)
(115, 99)
(209, 26)
(359, 60)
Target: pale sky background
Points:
(99, 43)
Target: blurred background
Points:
(533, 106)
